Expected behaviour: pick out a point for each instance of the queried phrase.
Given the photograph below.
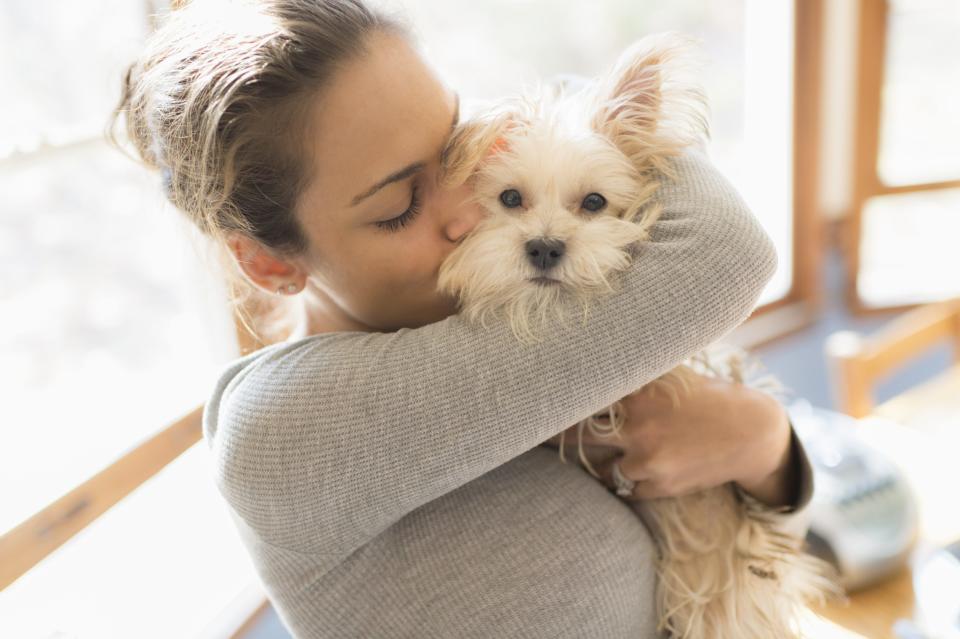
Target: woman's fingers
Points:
(644, 488)
(605, 470)
(650, 400)
(648, 483)
(612, 440)
(588, 438)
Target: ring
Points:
(624, 486)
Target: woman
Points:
(384, 464)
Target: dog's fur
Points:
(725, 570)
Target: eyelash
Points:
(404, 218)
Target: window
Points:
(113, 326)
(906, 199)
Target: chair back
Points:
(858, 362)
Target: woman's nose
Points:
(460, 214)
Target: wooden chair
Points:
(858, 362)
(26, 545)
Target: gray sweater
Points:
(395, 485)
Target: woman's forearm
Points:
(774, 480)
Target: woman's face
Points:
(377, 222)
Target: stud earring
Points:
(290, 288)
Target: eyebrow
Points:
(407, 171)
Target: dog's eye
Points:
(594, 202)
(510, 198)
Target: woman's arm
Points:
(719, 432)
(796, 477)
(771, 476)
(323, 443)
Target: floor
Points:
(798, 362)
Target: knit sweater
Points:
(395, 484)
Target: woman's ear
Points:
(261, 267)
(647, 103)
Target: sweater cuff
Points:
(804, 474)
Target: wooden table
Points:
(920, 430)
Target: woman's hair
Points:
(216, 103)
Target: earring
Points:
(290, 288)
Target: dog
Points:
(724, 569)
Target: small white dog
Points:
(579, 166)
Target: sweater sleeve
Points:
(322, 443)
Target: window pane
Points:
(747, 45)
(112, 325)
(60, 61)
(919, 124)
(162, 563)
(908, 248)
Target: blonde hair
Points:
(216, 103)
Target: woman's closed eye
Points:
(400, 221)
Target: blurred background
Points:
(836, 120)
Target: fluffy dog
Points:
(567, 180)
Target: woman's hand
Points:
(717, 433)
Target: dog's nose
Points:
(544, 254)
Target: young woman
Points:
(391, 467)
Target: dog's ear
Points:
(647, 103)
(478, 139)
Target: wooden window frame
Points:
(871, 71)
(802, 304)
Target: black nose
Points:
(544, 254)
